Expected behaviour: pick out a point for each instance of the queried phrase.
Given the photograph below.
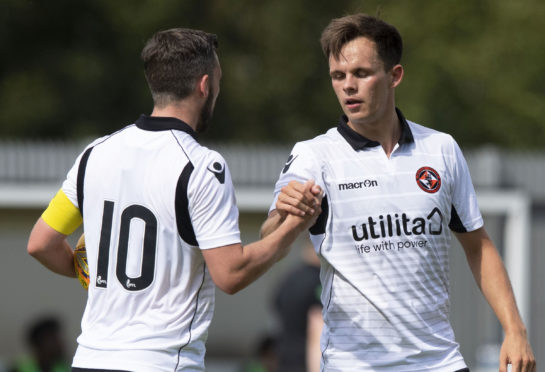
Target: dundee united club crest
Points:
(428, 179)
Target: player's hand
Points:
(299, 199)
(304, 222)
(517, 351)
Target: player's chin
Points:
(362, 116)
(355, 117)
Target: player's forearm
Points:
(57, 258)
(492, 278)
(271, 224)
(497, 289)
(258, 257)
(61, 262)
(234, 267)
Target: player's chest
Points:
(371, 177)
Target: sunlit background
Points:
(71, 71)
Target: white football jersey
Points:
(151, 198)
(383, 238)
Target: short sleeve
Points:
(70, 184)
(300, 166)
(212, 204)
(63, 213)
(465, 213)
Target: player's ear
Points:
(397, 75)
(203, 85)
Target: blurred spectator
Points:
(44, 338)
(297, 304)
(265, 356)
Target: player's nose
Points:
(350, 84)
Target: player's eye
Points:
(361, 73)
(337, 76)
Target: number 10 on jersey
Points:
(149, 247)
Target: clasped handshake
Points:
(300, 202)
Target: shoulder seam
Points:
(180, 145)
(107, 137)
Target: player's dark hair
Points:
(345, 29)
(175, 59)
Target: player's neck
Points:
(386, 131)
(182, 110)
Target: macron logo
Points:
(219, 171)
(358, 185)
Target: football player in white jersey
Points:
(160, 222)
(392, 190)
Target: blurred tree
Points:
(473, 68)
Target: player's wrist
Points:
(295, 223)
(516, 331)
(281, 215)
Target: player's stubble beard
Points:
(205, 115)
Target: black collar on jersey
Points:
(359, 142)
(158, 123)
